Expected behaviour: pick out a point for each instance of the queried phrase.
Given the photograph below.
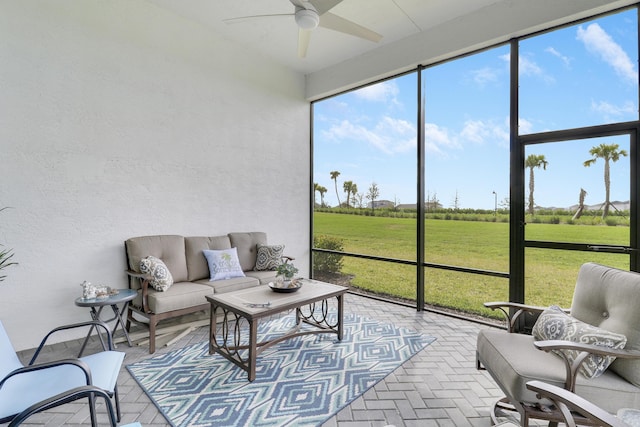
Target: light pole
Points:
(495, 203)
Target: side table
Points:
(124, 296)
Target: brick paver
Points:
(437, 387)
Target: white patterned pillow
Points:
(223, 264)
(161, 276)
(555, 324)
(268, 257)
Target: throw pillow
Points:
(268, 257)
(223, 264)
(555, 324)
(161, 276)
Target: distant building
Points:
(617, 205)
(377, 204)
(427, 206)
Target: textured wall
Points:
(119, 119)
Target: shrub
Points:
(611, 222)
(326, 262)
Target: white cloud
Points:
(529, 68)
(484, 75)
(524, 126)
(597, 41)
(611, 112)
(563, 58)
(381, 92)
(436, 138)
(389, 135)
(480, 132)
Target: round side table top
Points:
(123, 295)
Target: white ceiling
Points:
(277, 37)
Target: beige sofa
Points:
(184, 258)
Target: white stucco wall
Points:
(119, 119)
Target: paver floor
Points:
(439, 386)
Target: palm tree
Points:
(534, 161)
(322, 190)
(354, 191)
(348, 187)
(315, 188)
(334, 177)
(580, 210)
(607, 152)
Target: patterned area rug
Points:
(302, 381)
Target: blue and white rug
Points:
(302, 381)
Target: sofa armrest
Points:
(585, 351)
(144, 280)
(513, 310)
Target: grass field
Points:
(549, 278)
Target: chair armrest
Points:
(88, 391)
(287, 258)
(93, 323)
(567, 401)
(584, 350)
(513, 310)
(46, 365)
(144, 280)
(599, 350)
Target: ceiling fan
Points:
(310, 14)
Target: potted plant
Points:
(5, 258)
(286, 271)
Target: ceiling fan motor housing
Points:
(307, 19)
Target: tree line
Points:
(353, 199)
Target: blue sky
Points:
(578, 76)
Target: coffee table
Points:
(256, 303)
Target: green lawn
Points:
(550, 274)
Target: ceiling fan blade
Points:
(336, 23)
(324, 6)
(304, 36)
(245, 18)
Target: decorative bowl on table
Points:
(286, 286)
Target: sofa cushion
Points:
(168, 248)
(228, 285)
(196, 263)
(247, 244)
(161, 276)
(263, 276)
(601, 298)
(555, 324)
(180, 295)
(223, 264)
(268, 257)
(513, 360)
